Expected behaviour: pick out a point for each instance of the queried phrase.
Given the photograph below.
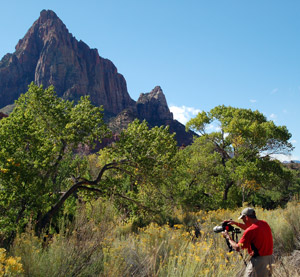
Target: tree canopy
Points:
(238, 156)
(147, 162)
(41, 167)
(38, 141)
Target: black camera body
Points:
(226, 227)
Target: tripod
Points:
(234, 237)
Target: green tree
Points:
(147, 162)
(234, 163)
(37, 158)
(135, 172)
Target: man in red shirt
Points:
(258, 240)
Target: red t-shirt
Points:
(259, 234)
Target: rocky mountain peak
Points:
(49, 55)
(153, 106)
(47, 14)
(48, 25)
(155, 95)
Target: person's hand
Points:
(230, 221)
(225, 234)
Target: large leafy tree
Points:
(136, 172)
(234, 162)
(146, 159)
(37, 156)
(40, 167)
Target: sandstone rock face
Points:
(50, 55)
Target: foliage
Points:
(143, 183)
(9, 266)
(234, 164)
(37, 160)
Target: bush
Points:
(10, 266)
(76, 251)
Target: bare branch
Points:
(81, 185)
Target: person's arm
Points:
(234, 245)
(238, 224)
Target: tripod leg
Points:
(229, 245)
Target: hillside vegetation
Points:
(140, 206)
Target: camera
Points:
(226, 227)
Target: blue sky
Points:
(202, 53)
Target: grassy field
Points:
(101, 243)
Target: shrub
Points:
(76, 251)
(10, 266)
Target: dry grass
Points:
(101, 244)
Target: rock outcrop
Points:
(50, 55)
(153, 106)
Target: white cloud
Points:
(183, 114)
(273, 116)
(253, 100)
(293, 141)
(285, 158)
(274, 91)
(212, 128)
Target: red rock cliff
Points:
(50, 55)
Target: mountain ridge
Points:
(49, 54)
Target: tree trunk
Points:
(227, 187)
(45, 220)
